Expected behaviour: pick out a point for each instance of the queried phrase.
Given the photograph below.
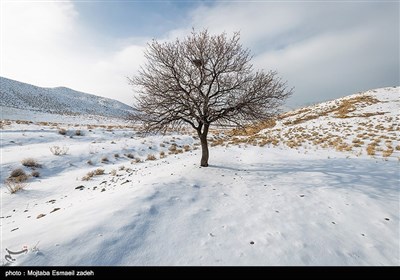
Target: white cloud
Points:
(44, 44)
(324, 50)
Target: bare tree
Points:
(200, 80)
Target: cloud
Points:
(44, 43)
(324, 50)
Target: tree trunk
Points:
(204, 146)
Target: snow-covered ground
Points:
(269, 205)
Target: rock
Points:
(40, 216)
(54, 210)
(103, 190)
(302, 195)
(80, 187)
(252, 242)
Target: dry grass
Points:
(17, 176)
(371, 149)
(62, 131)
(388, 152)
(129, 155)
(91, 174)
(104, 159)
(30, 162)
(151, 157)
(14, 187)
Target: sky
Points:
(323, 49)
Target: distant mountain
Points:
(59, 100)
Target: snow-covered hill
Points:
(289, 194)
(22, 99)
(363, 123)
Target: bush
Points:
(62, 131)
(151, 157)
(104, 159)
(18, 175)
(14, 187)
(130, 156)
(30, 162)
(59, 151)
(99, 171)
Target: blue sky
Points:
(324, 49)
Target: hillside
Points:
(59, 100)
(362, 123)
(303, 189)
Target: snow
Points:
(55, 101)
(270, 205)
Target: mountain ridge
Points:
(59, 100)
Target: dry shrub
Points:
(122, 167)
(113, 172)
(162, 154)
(151, 157)
(90, 174)
(129, 155)
(14, 187)
(172, 148)
(17, 175)
(397, 148)
(59, 151)
(388, 152)
(99, 171)
(186, 148)
(371, 149)
(30, 162)
(35, 174)
(116, 155)
(62, 131)
(104, 159)
(78, 132)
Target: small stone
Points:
(302, 195)
(251, 242)
(40, 216)
(80, 188)
(334, 223)
(103, 190)
(55, 209)
(387, 219)
(14, 229)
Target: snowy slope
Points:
(60, 100)
(257, 204)
(363, 123)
